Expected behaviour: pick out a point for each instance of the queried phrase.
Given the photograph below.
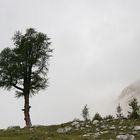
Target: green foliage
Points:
(119, 114)
(134, 113)
(85, 113)
(25, 67)
(97, 116)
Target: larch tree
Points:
(25, 67)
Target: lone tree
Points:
(85, 113)
(25, 67)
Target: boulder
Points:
(95, 122)
(64, 130)
(75, 124)
(125, 137)
(137, 128)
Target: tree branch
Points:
(19, 88)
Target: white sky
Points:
(96, 54)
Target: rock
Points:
(105, 132)
(87, 126)
(87, 135)
(97, 129)
(82, 128)
(121, 133)
(137, 128)
(125, 137)
(96, 135)
(75, 124)
(64, 130)
(135, 132)
(95, 122)
(112, 128)
(31, 129)
(124, 127)
(13, 127)
(120, 127)
(103, 126)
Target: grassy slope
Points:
(50, 133)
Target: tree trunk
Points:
(26, 111)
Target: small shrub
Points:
(97, 116)
(134, 113)
(85, 113)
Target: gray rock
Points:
(13, 127)
(105, 132)
(64, 130)
(87, 135)
(112, 128)
(74, 123)
(96, 135)
(97, 129)
(95, 122)
(125, 137)
(137, 128)
(103, 126)
(135, 132)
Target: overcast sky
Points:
(96, 54)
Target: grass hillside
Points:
(76, 130)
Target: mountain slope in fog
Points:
(130, 92)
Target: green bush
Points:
(97, 116)
(135, 109)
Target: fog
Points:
(96, 55)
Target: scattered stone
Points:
(97, 129)
(121, 133)
(137, 128)
(124, 127)
(105, 132)
(103, 126)
(31, 129)
(135, 132)
(87, 135)
(125, 137)
(82, 128)
(96, 135)
(74, 123)
(95, 122)
(64, 130)
(112, 128)
(87, 126)
(13, 127)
